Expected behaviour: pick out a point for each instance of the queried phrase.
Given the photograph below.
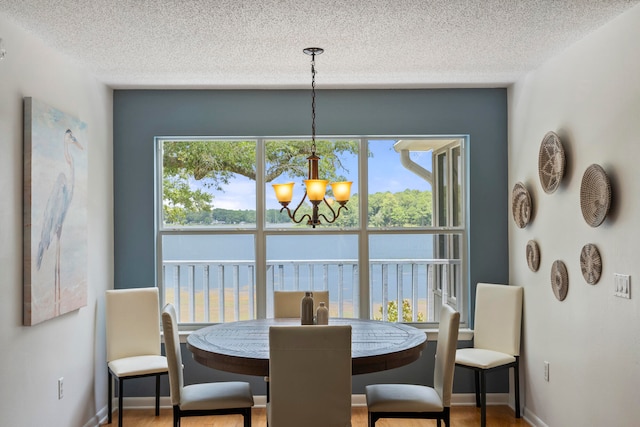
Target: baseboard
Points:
(532, 419)
(457, 399)
(99, 418)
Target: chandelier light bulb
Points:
(284, 192)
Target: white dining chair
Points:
(286, 304)
(133, 341)
(496, 339)
(309, 376)
(219, 398)
(418, 401)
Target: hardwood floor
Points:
(461, 416)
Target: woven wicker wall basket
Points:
(595, 195)
(559, 280)
(521, 205)
(533, 255)
(590, 263)
(551, 162)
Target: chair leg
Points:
(157, 395)
(120, 395)
(176, 416)
(483, 399)
(476, 377)
(109, 396)
(247, 417)
(372, 422)
(516, 380)
(446, 417)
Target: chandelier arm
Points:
(327, 220)
(335, 214)
(330, 208)
(300, 204)
(292, 217)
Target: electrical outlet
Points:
(60, 388)
(622, 285)
(546, 370)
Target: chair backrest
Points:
(498, 318)
(174, 354)
(446, 353)
(132, 322)
(287, 303)
(310, 376)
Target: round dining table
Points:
(243, 347)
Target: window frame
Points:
(261, 232)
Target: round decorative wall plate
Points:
(595, 195)
(533, 255)
(521, 205)
(590, 263)
(559, 280)
(551, 162)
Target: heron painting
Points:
(55, 213)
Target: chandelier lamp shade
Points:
(315, 188)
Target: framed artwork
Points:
(55, 212)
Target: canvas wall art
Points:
(55, 212)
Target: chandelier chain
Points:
(313, 102)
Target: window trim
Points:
(363, 231)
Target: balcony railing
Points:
(409, 290)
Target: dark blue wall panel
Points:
(141, 115)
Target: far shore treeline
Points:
(408, 208)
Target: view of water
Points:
(306, 247)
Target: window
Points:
(395, 253)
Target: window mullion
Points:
(261, 242)
(159, 270)
(363, 249)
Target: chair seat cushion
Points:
(402, 398)
(138, 365)
(481, 358)
(222, 395)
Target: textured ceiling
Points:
(258, 44)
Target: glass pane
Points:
(208, 183)
(443, 188)
(456, 184)
(286, 161)
(399, 195)
(316, 263)
(209, 278)
(405, 272)
(456, 273)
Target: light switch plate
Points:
(622, 285)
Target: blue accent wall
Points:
(141, 115)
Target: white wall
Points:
(590, 95)
(70, 346)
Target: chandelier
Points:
(315, 187)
